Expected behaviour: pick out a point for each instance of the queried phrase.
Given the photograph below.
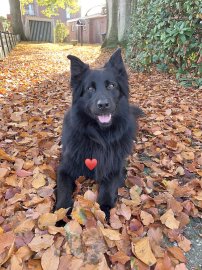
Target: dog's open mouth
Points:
(105, 119)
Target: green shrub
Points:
(61, 32)
(167, 33)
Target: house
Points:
(89, 29)
(37, 26)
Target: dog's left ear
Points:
(116, 62)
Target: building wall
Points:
(92, 31)
(97, 27)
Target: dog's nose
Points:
(103, 104)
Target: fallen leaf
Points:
(111, 234)
(23, 173)
(142, 250)
(24, 226)
(120, 256)
(41, 242)
(5, 156)
(50, 259)
(177, 253)
(7, 240)
(47, 219)
(146, 218)
(169, 220)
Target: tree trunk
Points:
(16, 19)
(111, 39)
(124, 13)
(118, 22)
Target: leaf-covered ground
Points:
(163, 186)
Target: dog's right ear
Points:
(77, 68)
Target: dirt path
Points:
(163, 184)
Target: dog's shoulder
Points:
(136, 112)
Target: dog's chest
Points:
(109, 158)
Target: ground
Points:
(157, 218)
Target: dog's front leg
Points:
(65, 188)
(108, 191)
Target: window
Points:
(30, 10)
(67, 15)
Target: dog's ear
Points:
(116, 62)
(117, 65)
(78, 68)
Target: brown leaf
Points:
(169, 220)
(5, 156)
(120, 256)
(6, 246)
(18, 164)
(16, 263)
(50, 259)
(177, 253)
(125, 211)
(3, 173)
(143, 251)
(111, 234)
(40, 242)
(91, 196)
(146, 218)
(114, 219)
(184, 243)
(47, 219)
(181, 266)
(23, 173)
(24, 226)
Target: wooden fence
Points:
(7, 43)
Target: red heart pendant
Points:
(91, 163)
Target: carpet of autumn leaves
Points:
(163, 186)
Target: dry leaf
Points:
(5, 156)
(120, 256)
(6, 246)
(40, 242)
(24, 226)
(47, 219)
(177, 253)
(146, 218)
(142, 251)
(50, 259)
(111, 234)
(169, 220)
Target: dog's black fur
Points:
(100, 124)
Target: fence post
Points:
(10, 40)
(2, 44)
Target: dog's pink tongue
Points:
(104, 118)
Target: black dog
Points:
(100, 125)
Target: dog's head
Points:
(99, 91)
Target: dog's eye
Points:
(91, 89)
(110, 86)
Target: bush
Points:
(61, 32)
(167, 33)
